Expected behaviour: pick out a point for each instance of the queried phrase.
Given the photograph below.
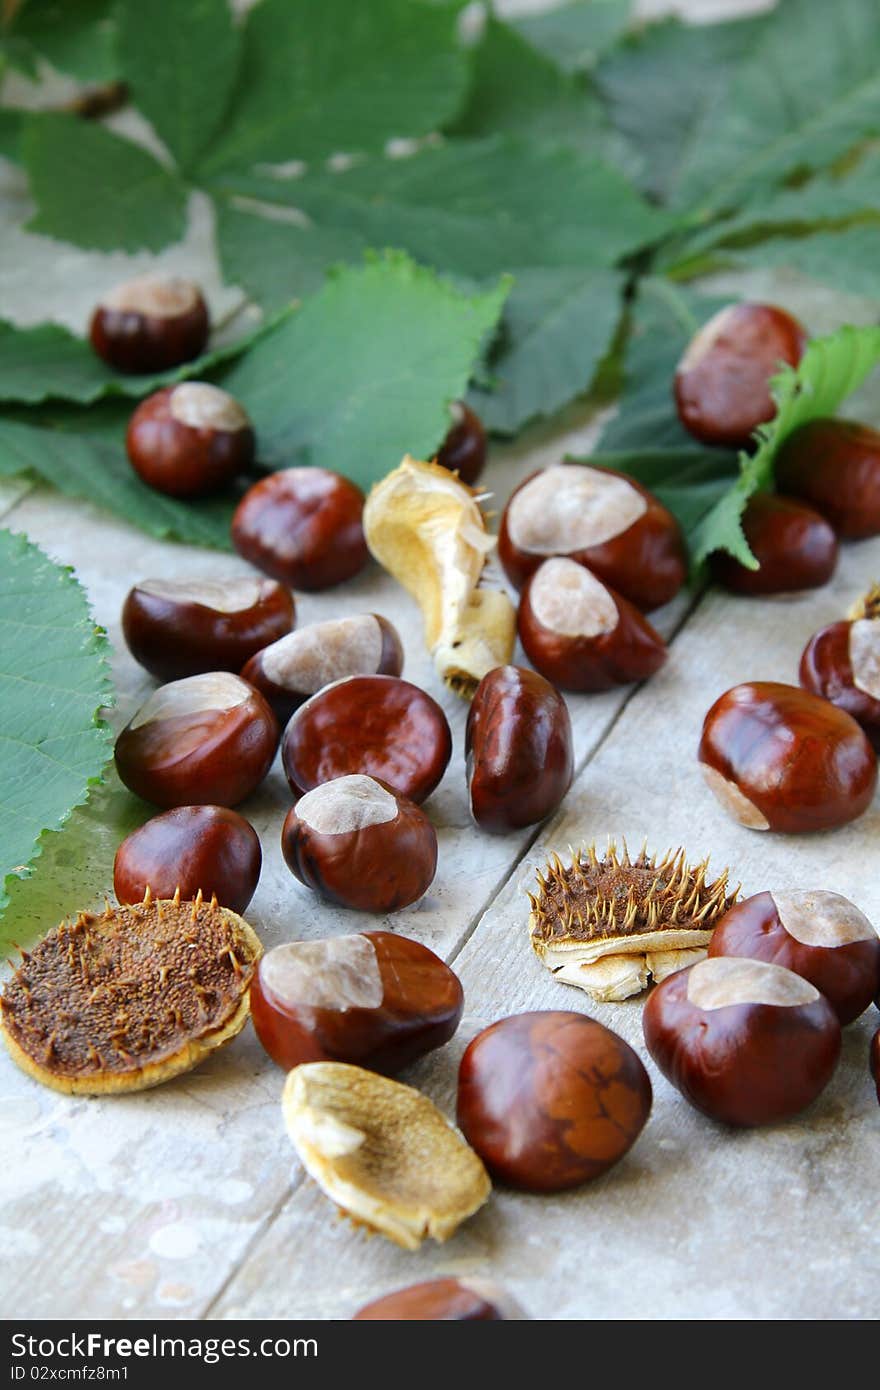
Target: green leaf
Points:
(54, 678)
(276, 261)
(11, 126)
(575, 36)
(18, 54)
(79, 39)
(847, 260)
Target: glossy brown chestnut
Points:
(194, 849)
(374, 999)
(601, 519)
(745, 1042)
(463, 451)
(580, 634)
(205, 740)
(302, 526)
(842, 664)
(518, 746)
(722, 383)
(779, 758)
(381, 726)
(359, 845)
(795, 548)
(183, 627)
(551, 1100)
(150, 324)
(819, 935)
(189, 440)
(301, 664)
(443, 1300)
(835, 466)
(875, 1061)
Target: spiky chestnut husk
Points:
(868, 606)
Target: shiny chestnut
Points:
(150, 324)
(518, 746)
(443, 1300)
(191, 849)
(381, 726)
(189, 440)
(835, 466)
(842, 664)
(795, 548)
(601, 519)
(204, 740)
(551, 1100)
(745, 1042)
(580, 634)
(779, 758)
(302, 526)
(463, 451)
(722, 383)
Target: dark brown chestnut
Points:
(381, 726)
(302, 526)
(375, 999)
(842, 664)
(835, 466)
(519, 752)
(205, 740)
(150, 324)
(722, 383)
(189, 440)
(779, 758)
(875, 1061)
(551, 1100)
(443, 1300)
(191, 849)
(580, 634)
(745, 1042)
(183, 627)
(301, 664)
(463, 451)
(601, 519)
(819, 935)
(795, 548)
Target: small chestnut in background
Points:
(722, 383)
(359, 845)
(302, 663)
(835, 466)
(779, 758)
(842, 664)
(204, 740)
(196, 849)
(374, 999)
(463, 451)
(519, 751)
(443, 1300)
(819, 935)
(150, 324)
(189, 440)
(302, 526)
(551, 1100)
(183, 627)
(795, 547)
(745, 1042)
(601, 519)
(580, 634)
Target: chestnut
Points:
(443, 1300)
(601, 519)
(551, 1100)
(582, 635)
(189, 440)
(302, 663)
(183, 627)
(794, 546)
(745, 1042)
(190, 849)
(302, 526)
(381, 726)
(358, 844)
(780, 758)
(150, 324)
(518, 745)
(463, 451)
(722, 383)
(875, 1061)
(819, 935)
(842, 664)
(375, 999)
(835, 466)
(204, 740)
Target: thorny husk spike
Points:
(868, 606)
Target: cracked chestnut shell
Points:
(443, 1300)
(150, 324)
(795, 547)
(190, 849)
(189, 440)
(834, 465)
(302, 526)
(463, 451)
(841, 663)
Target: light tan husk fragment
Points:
(868, 606)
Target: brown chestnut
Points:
(821, 936)
(875, 1061)
(375, 999)
(835, 466)
(189, 440)
(302, 663)
(722, 383)
(191, 849)
(582, 635)
(205, 740)
(601, 519)
(842, 664)
(551, 1100)
(381, 726)
(745, 1042)
(518, 746)
(150, 324)
(779, 758)
(443, 1300)
(357, 844)
(463, 451)
(302, 526)
(794, 546)
(183, 627)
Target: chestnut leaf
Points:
(845, 258)
(79, 39)
(576, 35)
